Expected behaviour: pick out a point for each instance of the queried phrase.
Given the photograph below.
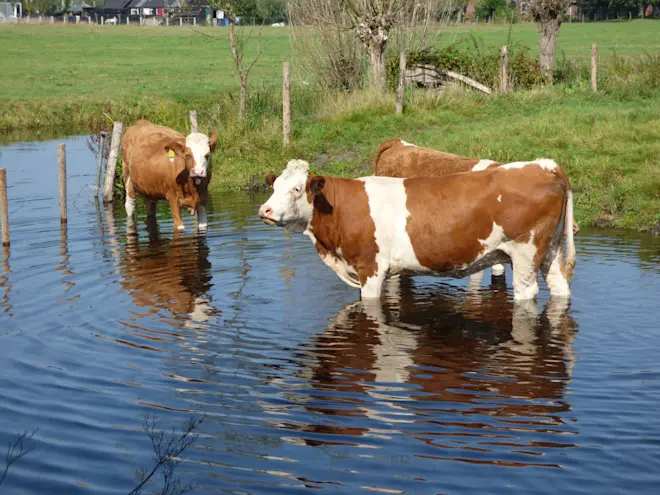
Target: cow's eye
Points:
(297, 189)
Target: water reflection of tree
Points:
(458, 372)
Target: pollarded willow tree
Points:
(333, 27)
(548, 14)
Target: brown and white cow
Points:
(398, 158)
(160, 163)
(367, 228)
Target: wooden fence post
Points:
(401, 88)
(99, 160)
(194, 21)
(286, 104)
(594, 68)
(61, 165)
(504, 70)
(194, 127)
(5, 207)
(111, 166)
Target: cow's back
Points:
(145, 158)
(400, 159)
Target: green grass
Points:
(74, 63)
(610, 147)
(59, 80)
(82, 63)
(575, 39)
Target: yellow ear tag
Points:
(170, 154)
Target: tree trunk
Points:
(549, 31)
(377, 66)
(237, 54)
(242, 102)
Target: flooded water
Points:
(300, 385)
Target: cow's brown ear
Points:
(315, 184)
(270, 179)
(213, 140)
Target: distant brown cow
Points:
(160, 163)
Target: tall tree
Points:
(548, 14)
(370, 21)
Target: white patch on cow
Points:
(525, 283)
(482, 165)
(343, 270)
(555, 279)
(387, 206)
(407, 144)
(202, 220)
(497, 270)
(544, 163)
(499, 198)
(130, 206)
(199, 145)
(493, 240)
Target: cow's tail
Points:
(569, 266)
(381, 149)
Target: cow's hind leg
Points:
(475, 281)
(129, 204)
(150, 205)
(525, 264)
(554, 276)
(497, 270)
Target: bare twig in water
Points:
(16, 450)
(167, 454)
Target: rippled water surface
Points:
(300, 385)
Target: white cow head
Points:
(289, 205)
(201, 146)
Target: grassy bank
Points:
(610, 147)
(77, 79)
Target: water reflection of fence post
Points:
(5, 207)
(61, 165)
(109, 216)
(111, 166)
(64, 253)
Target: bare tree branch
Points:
(16, 450)
(167, 455)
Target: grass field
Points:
(47, 63)
(69, 79)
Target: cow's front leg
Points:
(176, 212)
(373, 285)
(202, 220)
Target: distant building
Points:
(10, 11)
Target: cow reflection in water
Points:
(168, 274)
(476, 374)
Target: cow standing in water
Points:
(160, 163)
(398, 158)
(368, 228)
